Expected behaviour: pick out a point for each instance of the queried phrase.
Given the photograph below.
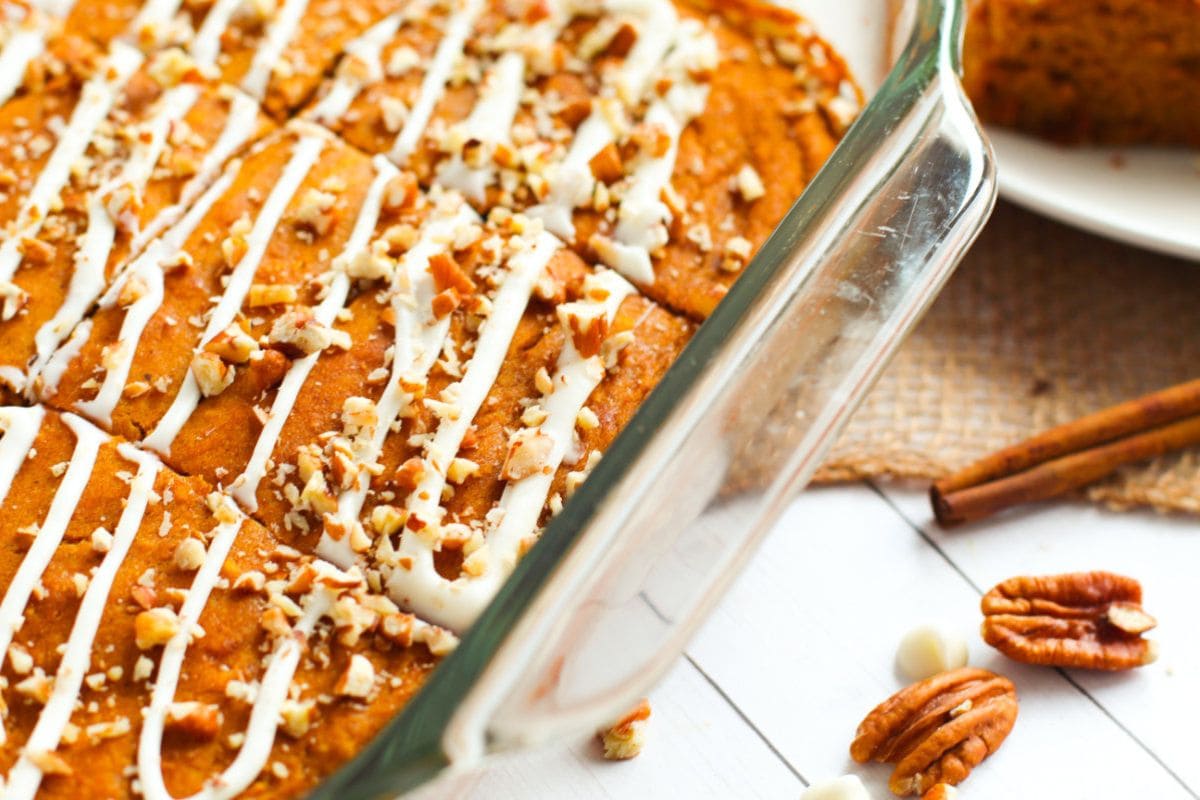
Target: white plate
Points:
(1148, 197)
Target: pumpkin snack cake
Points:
(290, 398)
(148, 622)
(622, 125)
(323, 399)
(99, 152)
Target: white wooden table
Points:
(768, 696)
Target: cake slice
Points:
(147, 621)
(1119, 72)
(252, 246)
(99, 153)
(624, 129)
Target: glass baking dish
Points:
(599, 610)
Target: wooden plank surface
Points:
(770, 692)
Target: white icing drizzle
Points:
(305, 154)
(240, 123)
(153, 19)
(433, 85)
(365, 51)
(56, 8)
(152, 139)
(62, 357)
(147, 268)
(20, 427)
(659, 22)
(643, 217)
(206, 44)
(245, 487)
(95, 101)
(25, 776)
(418, 341)
(87, 282)
(571, 180)
(120, 359)
(50, 533)
(490, 122)
(270, 50)
(91, 261)
(23, 45)
(456, 603)
(273, 690)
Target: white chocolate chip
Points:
(847, 787)
(926, 651)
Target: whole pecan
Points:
(1092, 620)
(939, 729)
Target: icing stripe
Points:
(418, 342)
(95, 101)
(25, 776)
(153, 20)
(24, 45)
(49, 535)
(87, 282)
(366, 50)
(571, 180)
(91, 261)
(20, 426)
(147, 267)
(490, 121)
(240, 123)
(642, 219)
(62, 357)
(656, 33)
(270, 50)
(455, 604)
(273, 689)
(433, 86)
(206, 45)
(245, 487)
(303, 157)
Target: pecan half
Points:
(1092, 620)
(937, 730)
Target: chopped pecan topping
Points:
(447, 274)
(528, 453)
(195, 720)
(942, 791)
(155, 627)
(606, 165)
(938, 730)
(587, 325)
(1090, 620)
(213, 375)
(49, 762)
(298, 333)
(358, 679)
(446, 302)
(626, 739)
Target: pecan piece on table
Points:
(1092, 620)
(939, 729)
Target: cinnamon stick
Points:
(1133, 416)
(1070, 456)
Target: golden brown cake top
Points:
(148, 620)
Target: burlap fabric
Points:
(1040, 325)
